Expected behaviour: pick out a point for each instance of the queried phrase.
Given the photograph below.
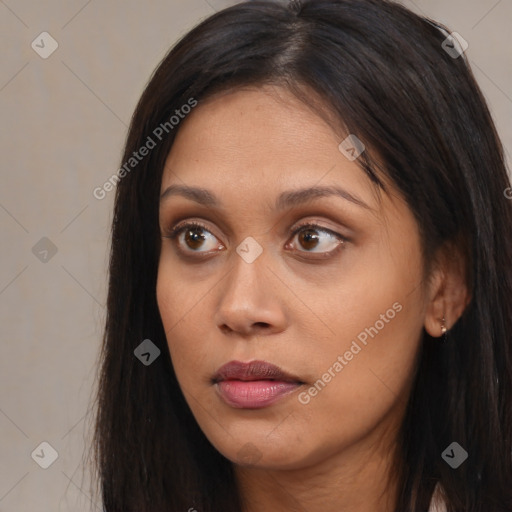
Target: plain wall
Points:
(64, 120)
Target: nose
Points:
(251, 299)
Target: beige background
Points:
(64, 120)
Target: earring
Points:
(443, 328)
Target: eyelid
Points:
(316, 224)
(172, 232)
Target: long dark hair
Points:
(383, 72)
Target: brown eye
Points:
(309, 239)
(193, 238)
(316, 239)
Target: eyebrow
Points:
(287, 199)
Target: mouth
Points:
(253, 385)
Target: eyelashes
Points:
(195, 239)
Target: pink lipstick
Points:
(253, 385)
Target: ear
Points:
(448, 292)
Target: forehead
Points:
(259, 137)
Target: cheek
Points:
(177, 311)
(371, 363)
(185, 308)
(362, 377)
(367, 363)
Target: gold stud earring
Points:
(443, 326)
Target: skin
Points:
(292, 306)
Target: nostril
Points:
(245, 330)
(225, 328)
(261, 324)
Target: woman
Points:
(310, 278)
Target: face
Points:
(314, 297)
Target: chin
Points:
(269, 454)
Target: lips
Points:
(255, 370)
(253, 385)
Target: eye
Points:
(194, 237)
(317, 239)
